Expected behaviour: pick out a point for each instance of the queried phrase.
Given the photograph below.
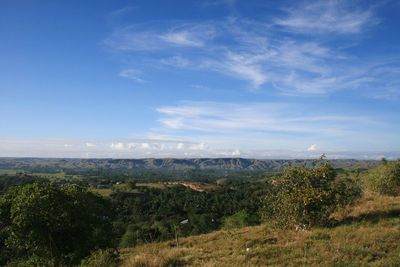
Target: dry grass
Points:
(367, 234)
(372, 204)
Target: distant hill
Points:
(225, 164)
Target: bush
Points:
(385, 178)
(101, 258)
(306, 197)
(237, 220)
(347, 191)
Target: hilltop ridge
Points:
(228, 164)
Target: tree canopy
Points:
(61, 225)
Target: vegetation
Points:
(385, 178)
(305, 197)
(101, 258)
(61, 226)
(19, 178)
(365, 234)
(238, 220)
(87, 218)
(152, 214)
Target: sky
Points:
(205, 78)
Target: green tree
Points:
(306, 197)
(61, 225)
(385, 178)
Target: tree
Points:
(61, 225)
(385, 178)
(306, 197)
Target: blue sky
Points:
(221, 78)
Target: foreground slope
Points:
(367, 234)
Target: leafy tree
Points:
(307, 196)
(61, 225)
(385, 178)
(9, 180)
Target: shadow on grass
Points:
(372, 217)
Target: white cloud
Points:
(131, 146)
(192, 35)
(313, 147)
(180, 146)
(128, 39)
(174, 123)
(132, 74)
(167, 149)
(236, 153)
(265, 53)
(117, 146)
(88, 144)
(265, 117)
(182, 38)
(326, 16)
(176, 61)
(238, 66)
(135, 38)
(200, 146)
(144, 146)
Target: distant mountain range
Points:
(228, 164)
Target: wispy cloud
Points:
(176, 61)
(272, 125)
(136, 38)
(195, 35)
(265, 117)
(238, 66)
(326, 17)
(266, 54)
(131, 38)
(132, 74)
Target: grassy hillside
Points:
(367, 234)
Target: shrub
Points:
(385, 178)
(306, 197)
(347, 191)
(237, 220)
